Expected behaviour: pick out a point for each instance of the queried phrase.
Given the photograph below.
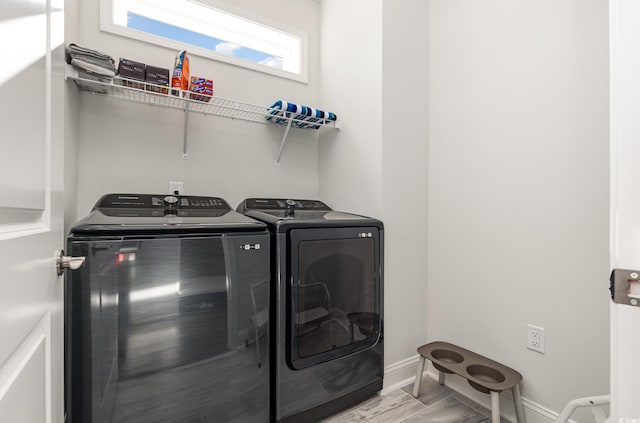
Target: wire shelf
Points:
(186, 101)
(156, 95)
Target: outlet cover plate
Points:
(176, 186)
(535, 338)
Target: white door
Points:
(31, 118)
(625, 203)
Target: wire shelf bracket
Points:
(284, 139)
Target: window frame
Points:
(107, 24)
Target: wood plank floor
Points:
(436, 404)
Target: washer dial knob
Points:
(171, 200)
(291, 207)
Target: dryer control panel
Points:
(283, 204)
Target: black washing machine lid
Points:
(153, 213)
(284, 214)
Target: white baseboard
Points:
(402, 373)
(399, 374)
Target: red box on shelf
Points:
(201, 89)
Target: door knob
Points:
(67, 262)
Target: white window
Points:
(210, 32)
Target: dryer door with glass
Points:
(334, 293)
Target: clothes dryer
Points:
(327, 297)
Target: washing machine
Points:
(327, 297)
(168, 319)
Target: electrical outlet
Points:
(535, 338)
(176, 187)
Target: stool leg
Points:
(441, 378)
(495, 407)
(416, 384)
(517, 402)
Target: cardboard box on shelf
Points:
(132, 71)
(201, 89)
(157, 76)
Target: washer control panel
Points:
(160, 201)
(283, 204)
(160, 204)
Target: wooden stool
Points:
(483, 374)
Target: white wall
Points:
(374, 69)
(126, 147)
(518, 187)
(405, 40)
(351, 69)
